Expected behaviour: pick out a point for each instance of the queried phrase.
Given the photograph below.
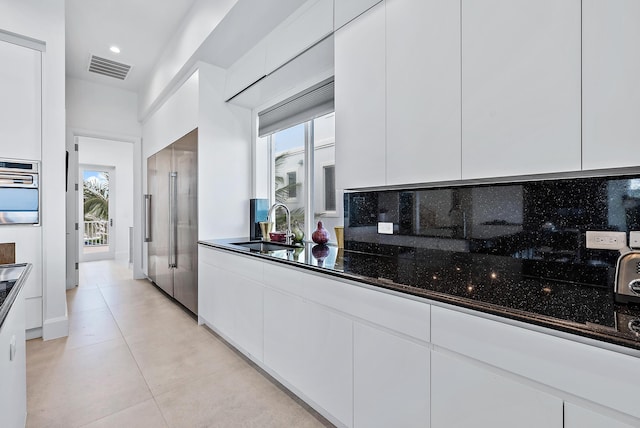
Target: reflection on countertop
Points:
(486, 283)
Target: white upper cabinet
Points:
(250, 68)
(346, 10)
(610, 86)
(423, 91)
(360, 101)
(20, 102)
(304, 28)
(520, 87)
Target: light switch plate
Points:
(385, 228)
(634, 239)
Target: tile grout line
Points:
(153, 397)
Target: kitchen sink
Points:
(265, 246)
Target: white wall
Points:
(44, 20)
(101, 108)
(100, 111)
(224, 151)
(203, 17)
(94, 151)
(175, 118)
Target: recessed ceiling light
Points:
(114, 49)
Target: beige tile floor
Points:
(134, 358)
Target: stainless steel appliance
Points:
(171, 220)
(628, 277)
(19, 192)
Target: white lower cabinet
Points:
(579, 417)
(13, 374)
(248, 316)
(310, 348)
(218, 297)
(232, 305)
(365, 358)
(464, 394)
(391, 380)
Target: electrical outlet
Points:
(385, 228)
(634, 239)
(606, 240)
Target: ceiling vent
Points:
(106, 67)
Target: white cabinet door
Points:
(311, 349)
(464, 394)
(248, 323)
(13, 375)
(521, 74)
(20, 103)
(304, 28)
(360, 101)
(230, 303)
(206, 274)
(220, 308)
(391, 380)
(423, 91)
(346, 10)
(610, 86)
(579, 417)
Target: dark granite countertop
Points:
(485, 283)
(12, 278)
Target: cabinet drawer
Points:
(241, 265)
(596, 374)
(400, 314)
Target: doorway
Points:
(97, 207)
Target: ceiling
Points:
(140, 28)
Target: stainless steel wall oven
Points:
(19, 192)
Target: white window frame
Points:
(327, 212)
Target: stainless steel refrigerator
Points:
(171, 219)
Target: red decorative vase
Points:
(320, 235)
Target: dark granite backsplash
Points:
(533, 229)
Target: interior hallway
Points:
(133, 358)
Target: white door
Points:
(96, 206)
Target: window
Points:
(288, 173)
(309, 195)
(330, 188)
(296, 156)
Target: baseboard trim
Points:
(55, 328)
(33, 333)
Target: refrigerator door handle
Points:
(147, 218)
(173, 219)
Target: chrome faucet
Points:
(271, 218)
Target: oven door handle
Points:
(18, 180)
